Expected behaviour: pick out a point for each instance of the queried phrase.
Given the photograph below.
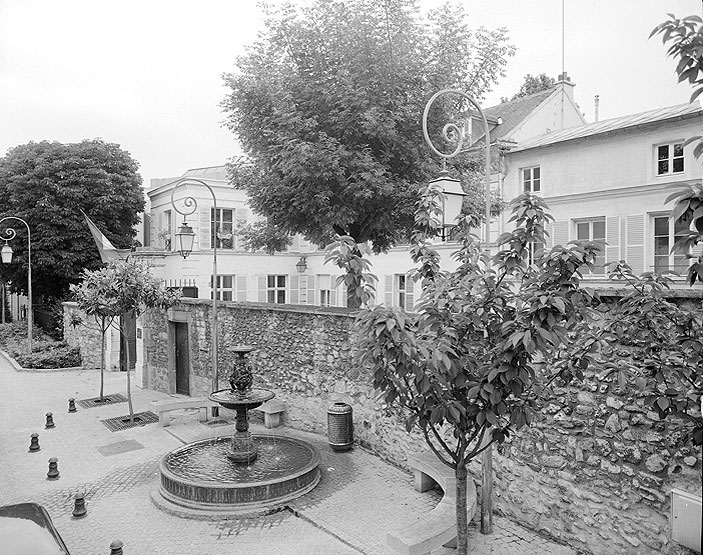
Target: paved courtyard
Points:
(359, 499)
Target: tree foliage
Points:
(532, 85)
(328, 103)
(685, 36)
(465, 367)
(47, 184)
(123, 288)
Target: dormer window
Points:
(669, 158)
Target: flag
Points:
(108, 252)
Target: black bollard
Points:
(34, 443)
(72, 405)
(53, 473)
(79, 510)
(49, 420)
(116, 548)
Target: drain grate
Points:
(106, 400)
(123, 422)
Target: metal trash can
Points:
(340, 427)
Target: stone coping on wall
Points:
(297, 308)
(617, 292)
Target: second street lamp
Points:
(184, 245)
(6, 254)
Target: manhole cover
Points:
(106, 400)
(124, 422)
(119, 448)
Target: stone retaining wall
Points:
(595, 472)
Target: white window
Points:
(327, 288)
(276, 289)
(594, 231)
(221, 228)
(669, 158)
(665, 231)
(400, 290)
(225, 288)
(531, 180)
(166, 231)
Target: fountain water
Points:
(239, 475)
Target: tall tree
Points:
(47, 184)
(328, 104)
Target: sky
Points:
(147, 74)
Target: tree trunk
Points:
(462, 523)
(102, 358)
(123, 332)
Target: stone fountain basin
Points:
(198, 480)
(252, 398)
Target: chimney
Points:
(567, 86)
(596, 102)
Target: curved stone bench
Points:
(163, 408)
(438, 528)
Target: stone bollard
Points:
(116, 548)
(34, 443)
(79, 510)
(72, 405)
(53, 473)
(49, 420)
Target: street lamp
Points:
(6, 254)
(453, 130)
(184, 245)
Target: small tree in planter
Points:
(464, 368)
(93, 297)
(126, 288)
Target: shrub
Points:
(59, 355)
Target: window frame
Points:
(673, 227)
(670, 159)
(276, 292)
(599, 269)
(528, 184)
(222, 290)
(220, 218)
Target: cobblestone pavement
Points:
(359, 499)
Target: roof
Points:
(682, 111)
(217, 173)
(514, 112)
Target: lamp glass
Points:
(184, 240)
(301, 265)
(453, 199)
(6, 254)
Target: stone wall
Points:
(81, 331)
(595, 471)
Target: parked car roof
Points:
(27, 529)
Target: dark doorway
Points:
(130, 325)
(182, 359)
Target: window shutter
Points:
(389, 291)
(612, 238)
(549, 236)
(204, 231)
(294, 297)
(261, 280)
(409, 293)
(338, 293)
(560, 233)
(152, 231)
(635, 243)
(241, 288)
(311, 290)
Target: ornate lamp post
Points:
(456, 134)
(184, 245)
(6, 254)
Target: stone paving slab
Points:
(359, 499)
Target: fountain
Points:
(240, 475)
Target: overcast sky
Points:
(146, 74)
